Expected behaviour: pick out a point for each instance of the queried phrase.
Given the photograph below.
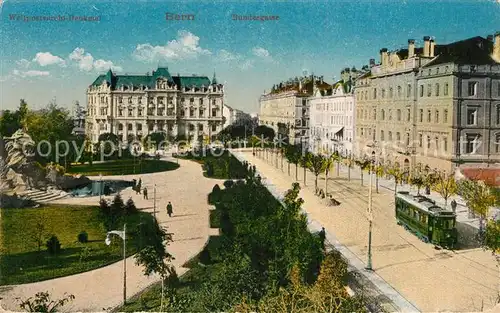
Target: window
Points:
(130, 112)
(445, 91)
(497, 143)
(383, 114)
(408, 91)
(214, 127)
(120, 100)
(445, 144)
(408, 115)
(129, 127)
(398, 136)
(399, 91)
(436, 140)
(374, 114)
(420, 140)
(421, 90)
(421, 115)
(129, 100)
(390, 136)
(383, 93)
(191, 127)
(436, 117)
(201, 113)
(390, 93)
(374, 93)
(471, 116)
(201, 101)
(214, 112)
(470, 145)
(398, 114)
(200, 127)
(445, 116)
(428, 142)
(382, 135)
(139, 126)
(429, 90)
(191, 100)
(472, 89)
(139, 112)
(437, 90)
(120, 126)
(150, 127)
(120, 112)
(428, 116)
(498, 112)
(407, 139)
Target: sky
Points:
(42, 60)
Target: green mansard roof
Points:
(149, 80)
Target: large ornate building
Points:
(132, 106)
(285, 107)
(332, 119)
(438, 105)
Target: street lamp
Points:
(122, 235)
(370, 220)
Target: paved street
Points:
(434, 280)
(187, 189)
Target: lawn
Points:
(20, 260)
(123, 167)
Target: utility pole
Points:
(124, 264)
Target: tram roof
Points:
(424, 204)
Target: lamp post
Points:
(370, 222)
(122, 235)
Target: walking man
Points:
(170, 210)
(322, 237)
(145, 192)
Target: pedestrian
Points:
(145, 193)
(170, 210)
(322, 237)
(454, 205)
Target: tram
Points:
(421, 216)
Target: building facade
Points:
(437, 106)
(133, 106)
(332, 120)
(285, 107)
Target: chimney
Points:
(496, 48)
(433, 45)
(372, 62)
(427, 46)
(383, 56)
(411, 48)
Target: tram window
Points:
(423, 219)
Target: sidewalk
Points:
(434, 280)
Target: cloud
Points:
(47, 58)
(261, 52)
(246, 65)
(86, 62)
(31, 73)
(186, 46)
(23, 63)
(226, 56)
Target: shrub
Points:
(53, 245)
(228, 184)
(85, 254)
(83, 237)
(130, 206)
(103, 205)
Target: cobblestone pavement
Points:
(434, 280)
(95, 290)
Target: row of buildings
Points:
(435, 105)
(188, 108)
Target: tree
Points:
(23, 113)
(305, 162)
(446, 186)
(417, 179)
(157, 138)
(379, 172)
(328, 167)
(9, 123)
(293, 155)
(38, 234)
(349, 162)
(43, 303)
(108, 144)
(317, 165)
(395, 172)
(363, 164)
(478, 197)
